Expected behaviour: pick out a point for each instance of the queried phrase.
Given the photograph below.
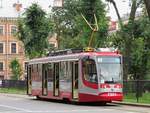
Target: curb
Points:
(114, 102)
(132, 104)
(14, 95)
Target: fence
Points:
(13, 84)
(137, 91)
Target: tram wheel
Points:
(103, 103)
(38, 98)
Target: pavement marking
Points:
(56, 111)
(15, 108)
(13, 111)
(19, 110)
(130, 112)
(68, 111)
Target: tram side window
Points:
(89, 70)
(35, 72)
(64, 75)
(34, 68)
(50, 67)
(40, 71)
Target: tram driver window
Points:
(89, 70)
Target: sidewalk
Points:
(115, 102)
(132, 104)
(15, 95)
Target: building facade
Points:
(10, 47)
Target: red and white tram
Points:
(77, 76)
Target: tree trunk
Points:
(128, 42)
(127, 54)
(147, 4)
(117, 12)
(133, 11)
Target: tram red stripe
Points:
(89, 84)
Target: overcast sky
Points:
(8, 9)
(123, 7)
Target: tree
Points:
(33, 31)
(117, 11)
(127, 35)
(147, 4)
(64, 21)
(88, 9)
(15, 69)
(70, 24)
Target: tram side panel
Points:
(88, 91)
(50, 79)
(65, 80)
(36, 78)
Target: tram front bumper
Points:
(101, 97)
(111, 96)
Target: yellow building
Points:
(10, 47)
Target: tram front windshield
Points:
(109, 69)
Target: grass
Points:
(13, 90)
(132, 98)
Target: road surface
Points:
(25, 104)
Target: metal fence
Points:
(137, 90)
(13, 84)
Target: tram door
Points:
(56, 79)
(29, 80)
(44, 79)
(75, 75)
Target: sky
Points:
(123, 7)
(8, 9)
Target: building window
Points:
(1, 78)
(1, 47)
(13, 29)
(13, 48)
(1, 66)
(1, 30)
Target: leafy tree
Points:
(70, 24)
(34, 29)
(126, 36)
(137, 55)
(16, 69)
(117, 11)
(147, 4)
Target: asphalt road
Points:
(25, 104)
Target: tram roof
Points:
(71, 57)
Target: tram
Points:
(77, 75)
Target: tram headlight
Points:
(118, 86)
(104, 86)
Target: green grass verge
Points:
(132, 98)
(13, 90)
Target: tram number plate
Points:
(111, 94)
